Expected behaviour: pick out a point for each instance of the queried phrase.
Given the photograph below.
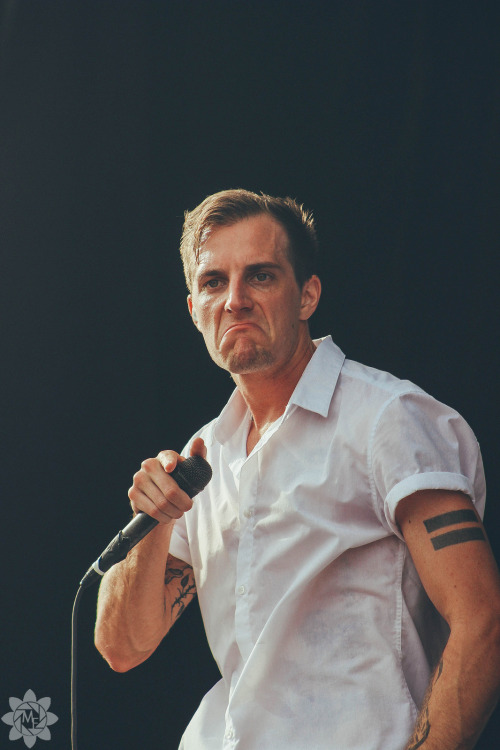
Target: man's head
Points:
(230, 206)
(247, 298)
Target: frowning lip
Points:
(240, 326)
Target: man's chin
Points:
(245, 368)
(244, 360)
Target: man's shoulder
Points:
(357, 378)
(368, 380)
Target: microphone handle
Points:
(119, 547)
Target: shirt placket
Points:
(246, 474)
(248, 482)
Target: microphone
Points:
(192, 475)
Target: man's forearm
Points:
(132, 616)
(462, 694)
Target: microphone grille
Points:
(192, 475)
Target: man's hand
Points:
(155, 492)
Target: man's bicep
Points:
(180, 587)
(449, 547)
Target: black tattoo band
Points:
(449, 519)
(457, 537)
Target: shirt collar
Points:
(315, 388)
(313, 392)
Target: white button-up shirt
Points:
(312, 607)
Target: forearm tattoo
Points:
(457, 536)
(423, 725)
(186, 588)
(421, 731)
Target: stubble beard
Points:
(245, 358)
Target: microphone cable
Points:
(74, 653)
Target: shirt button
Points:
(241, 590)
(248, 513)
(229, 734)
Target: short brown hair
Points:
(230, 206)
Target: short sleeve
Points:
(179, 546)
(417, 444)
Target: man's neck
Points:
(268, 393)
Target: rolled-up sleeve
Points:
(418, 443)
(179, 546)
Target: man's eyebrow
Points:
(255, 267)
(251, 268)
(210, 272)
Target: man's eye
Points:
(262, 276)
(212, 283)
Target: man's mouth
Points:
(238, 328)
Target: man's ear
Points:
(311, 292)
(192, 311)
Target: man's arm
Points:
(448, 544)
(141, 597)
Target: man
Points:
(338, 547)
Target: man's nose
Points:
(238, 297)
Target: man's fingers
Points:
(165, 506)
(169, 460)
(198, 448)
(155, 492)
(158, 494)
(163, 509)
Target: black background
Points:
(115, 117)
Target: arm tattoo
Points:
(448, 519)
(186, 589)
(457, 536)
(439, 672)
(421, 731)
(423, 725)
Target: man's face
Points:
(245, 300)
